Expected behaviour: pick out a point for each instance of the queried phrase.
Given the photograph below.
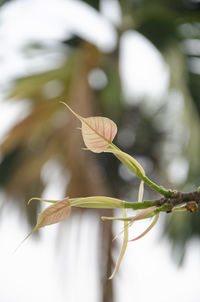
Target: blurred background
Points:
(138, 63)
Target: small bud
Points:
(192, 207)
(198, 189)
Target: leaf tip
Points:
(72, 111)
(20, 244)
(29, 201)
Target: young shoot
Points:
(98, 134)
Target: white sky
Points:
(141, 62)
(32, 274)
(35, 271)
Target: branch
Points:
(166, 204)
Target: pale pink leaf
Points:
(54, 213)
(143, 213)
(51, 215)
(148, 229)
(98, 132)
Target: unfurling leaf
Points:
(148, 229)
(141, 191)
(129, 161)
(97, 202)
(124, 246)
(142, 214)
(98, 132)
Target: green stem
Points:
(154, 186)
(140, 205)
(151, 184)
(146, 204)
